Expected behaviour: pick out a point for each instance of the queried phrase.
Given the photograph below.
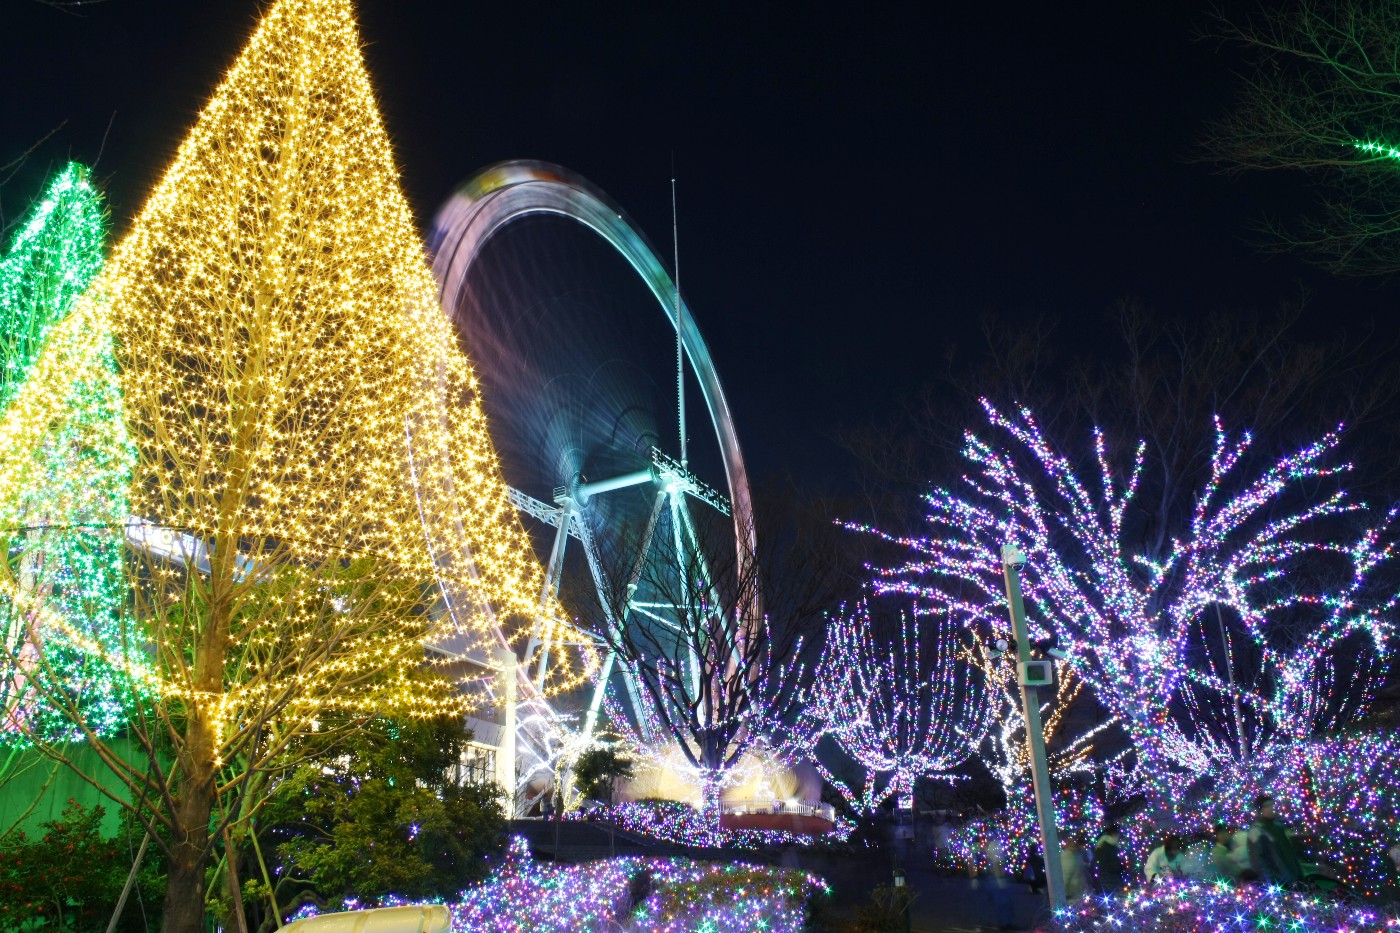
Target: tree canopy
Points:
(1320, 95)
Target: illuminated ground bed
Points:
(740, 827)
(645, 895)
(1183, 906)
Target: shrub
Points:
(68, 879)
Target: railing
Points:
(741, 807)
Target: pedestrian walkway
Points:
(956, 905)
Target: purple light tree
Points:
(898, 699)
(1256, 627)
(707, 699)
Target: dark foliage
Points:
(598, 769)
(384, 814)
(70, 878)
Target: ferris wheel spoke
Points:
(548, 367)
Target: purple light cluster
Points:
(1233, 655)
(1339, 795)
(1217, 652)
(638, 894)
(1017, 834)
(1194, 907)
(672, 821)
(903, 707)
(630, 895)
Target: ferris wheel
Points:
(580, 408)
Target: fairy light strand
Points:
(61, 584)
(1131, 622)
(902, 707)
(297, 403)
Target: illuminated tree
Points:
(1319, 97)
(388, 788)
(1006, 753)
(318, 502)
(1071, 748)
(715, 682)
(62, 539)
(598, 769)
(1255, 628)
(53, 257)
(898, 699)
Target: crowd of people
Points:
(1263, 851)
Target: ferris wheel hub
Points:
(674, 477)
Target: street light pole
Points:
(1011, 561)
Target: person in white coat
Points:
(1164, 861)
(1075, 868)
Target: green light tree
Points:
(1320, 94)
(55, 254)
(62, 535)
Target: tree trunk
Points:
(194, 802)
(235, 890)
(710, 802)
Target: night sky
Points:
(857, 186)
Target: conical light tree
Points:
(54, 255)
(60, 535)
(318, 499)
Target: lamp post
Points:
(1011, 561)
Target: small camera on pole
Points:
(1035, 673)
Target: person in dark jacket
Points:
(1108, 861)
(1271, 852)
(1035, 871)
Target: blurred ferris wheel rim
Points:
(481, 208)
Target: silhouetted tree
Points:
(1321, 96)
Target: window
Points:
(478, 765)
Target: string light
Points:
(304, 436)
(902, 708)
(1340, 795)
(1192, 906)
(1005, 753)
(680, 823)
(647, 895)
(708, 724)
(51, 260)
(1016, 830)
(1378, 149)
(61, 526)
(1142, 628)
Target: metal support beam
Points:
(507, 692)
(586, 491)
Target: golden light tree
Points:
(317, 500)
(1007, 752)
